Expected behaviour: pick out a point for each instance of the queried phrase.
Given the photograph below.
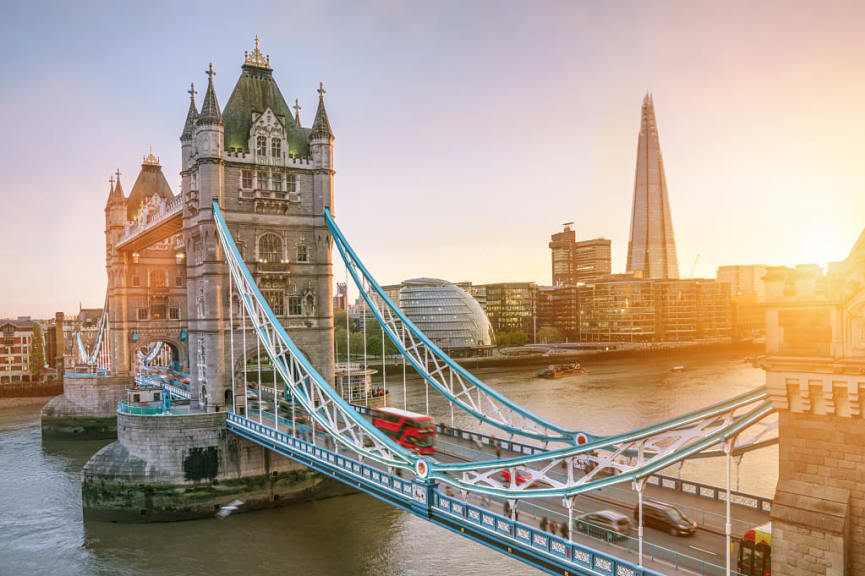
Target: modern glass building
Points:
(448, 315)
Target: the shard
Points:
(652, 246)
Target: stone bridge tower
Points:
(273, 178)
(146, 272)
(815, 374)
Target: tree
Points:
(549, 334)
(37, 352)
(505, 339)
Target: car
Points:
(665, 517)
(521, 478)
(604, 524)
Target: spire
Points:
(321, 125)
(652, 244)
(118, 189)
(150, 159)
(191, 116)
(210, 113)
(115, 193)
(297, 108)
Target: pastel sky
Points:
(466, 132)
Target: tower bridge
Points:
(238, 265)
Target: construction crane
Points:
(694, 265)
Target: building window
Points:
(276, 301)
(136, 281)
(302, 255)
(294, 306)
(246, 179)
(261, 145)
(174, 313)
(277, 182)
(291, 180)
(142, 313)
(270, 248)
(262, 180)
(158, 308)
(157, 279)
(178, 281)
(276, 147)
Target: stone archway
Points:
(177, 349)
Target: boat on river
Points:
(556, 371)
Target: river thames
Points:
(42, 530)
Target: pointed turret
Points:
(118, 188)
(191, 115)
(210, 113)
(115, 194)
(321, 125)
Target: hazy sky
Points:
(466, 132)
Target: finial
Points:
(256, 58)
(150, 159)
(111, 180)
(117, 172)
(321, 91)
(210, 73)
(297, 108)
(192, 91)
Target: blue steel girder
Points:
(326, 407)
(630, 456)
(455, 383)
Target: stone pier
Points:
(87, 408)
(180, 467)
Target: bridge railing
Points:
(409, 491)
(738, 498)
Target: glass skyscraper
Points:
(652, 246)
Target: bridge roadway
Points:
(702, 553)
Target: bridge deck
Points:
(702, 553)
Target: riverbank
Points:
(35, 401)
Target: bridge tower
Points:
(273, 179)
(815, 374)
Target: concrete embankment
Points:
(165, 468)
(87, 408)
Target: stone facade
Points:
(273, 180)
(86, 409)
(815, 375)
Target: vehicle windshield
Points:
(425, 425)
(422, 441)
(675, 515)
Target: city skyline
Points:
(738, 143)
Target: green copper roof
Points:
(256, 91)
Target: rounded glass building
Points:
(448, 315)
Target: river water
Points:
(42, 531)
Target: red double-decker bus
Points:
(409, 429)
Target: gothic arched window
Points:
(261, 145)
(276, 147)
(302, 253)
(270, 248)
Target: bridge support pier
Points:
(178, 467)
(87, 409)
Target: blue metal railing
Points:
(536, 547)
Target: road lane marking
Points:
(704, 551)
